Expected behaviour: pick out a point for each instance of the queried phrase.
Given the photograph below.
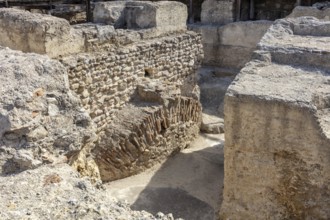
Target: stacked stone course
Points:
(117, 73)
(106, 81)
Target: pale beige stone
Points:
(277, 146)
(43, 34)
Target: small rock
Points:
(24, 159)
(52, 110)
(160, 215)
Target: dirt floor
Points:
(189, 184)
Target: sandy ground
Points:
(189, 184)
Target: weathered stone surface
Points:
(156, 15)
(164, 16)
(161, 121)
(231, 45)
(43, 34)
(39, 116)
(140, 137)
(301, 11)
(277, 146)
(213, 83)
(107, 81)
(59, 192)
(111, 13)
(218, 11)
(212, 124)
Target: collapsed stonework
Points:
(60, 192)
(277, 146)
(115, 97)
(40, 118)
(129, 95)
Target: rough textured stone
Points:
(111, 13)
(143, 15)
(59, 192)
(117, 74)
(231, 45)
(212, 124)
(43, 34)
(107, 82)
(277, 146)
(39, 115)
(301, 11)
(218, 11)
(156, 15)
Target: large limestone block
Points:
(41, 121)
(43, 34)
(277, 126)
(217, 11)
(165, 16)
(243, 34)
(231, 45)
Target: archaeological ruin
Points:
(199, 110)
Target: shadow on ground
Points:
(188, 185)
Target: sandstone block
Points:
(38, 112)
(164, 16)
(223, 43)
(277, 114)
(43, 34)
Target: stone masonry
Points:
(107, 81)
(277, 146)
(137, 88)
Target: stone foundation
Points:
(138, 94)
(231, 46)
(277, 146)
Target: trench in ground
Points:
(188, 185)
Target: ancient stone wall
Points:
(106, 81)
(277, 146)
(137, 87)
(231, 45)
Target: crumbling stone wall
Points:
(137, 87)
(41, 120)
(107, 82)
